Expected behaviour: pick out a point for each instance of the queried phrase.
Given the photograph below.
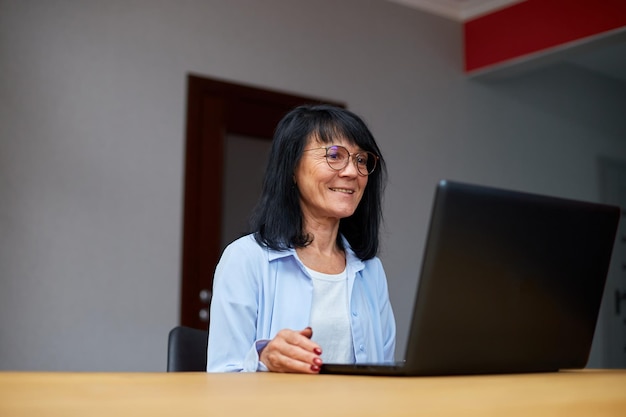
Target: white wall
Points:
(92, 104)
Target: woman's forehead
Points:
(335, 139)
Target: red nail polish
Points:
(315, 368)
(317, 351)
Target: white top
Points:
(330, 316)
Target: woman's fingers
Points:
(292, 351)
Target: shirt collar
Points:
(351, 258)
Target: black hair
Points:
(277, 219)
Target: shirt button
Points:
(355, 314)
(362, 348)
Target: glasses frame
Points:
(350, 156)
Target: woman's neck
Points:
(323, 254)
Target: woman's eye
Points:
(335, 154)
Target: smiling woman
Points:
(305, 286)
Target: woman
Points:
(306, 286)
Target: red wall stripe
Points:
(535, 25)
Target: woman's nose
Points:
(350, 168)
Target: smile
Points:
(342, 190)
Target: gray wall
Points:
(92, 105)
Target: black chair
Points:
(186, 349)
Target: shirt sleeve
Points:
(386, 316)
(232, 346)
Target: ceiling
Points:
(460, 10)
(605, 56)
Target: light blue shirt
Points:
(259, 291)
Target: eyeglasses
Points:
(338, 157)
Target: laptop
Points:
(511, 282)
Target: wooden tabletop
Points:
(571, 394)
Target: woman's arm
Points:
(235, 344)
(232, 346)
(387, 318)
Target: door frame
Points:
(611, 324)
(216, 108)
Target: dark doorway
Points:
(214, 110)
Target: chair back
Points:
(186, 350)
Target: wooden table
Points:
(571, 394)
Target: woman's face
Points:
(326, 194)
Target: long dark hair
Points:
(277, 219)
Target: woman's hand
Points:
(292, 351)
